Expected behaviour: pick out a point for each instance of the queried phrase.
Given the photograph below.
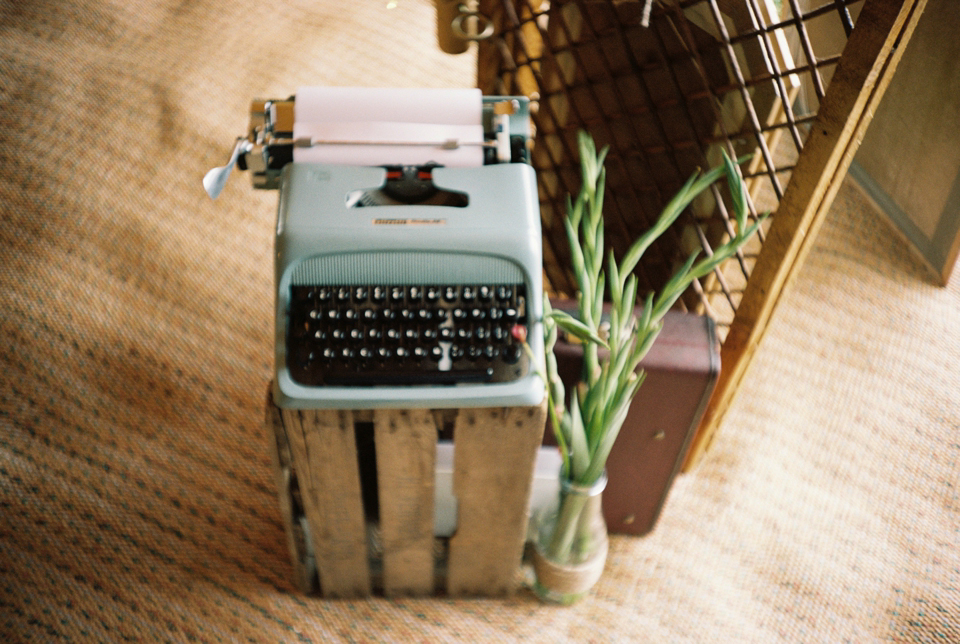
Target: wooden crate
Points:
(356, 492)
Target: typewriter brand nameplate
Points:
(409, 222)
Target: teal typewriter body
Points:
(408, 305)
(400, 283)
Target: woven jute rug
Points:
(136, 492)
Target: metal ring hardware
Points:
(482, 21)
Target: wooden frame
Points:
(866, 68)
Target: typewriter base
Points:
(356, 491)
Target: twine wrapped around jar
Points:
(570, 550)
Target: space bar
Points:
(409, 378)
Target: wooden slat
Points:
(304, 565)
(863, 73)
(494, 454)
(406, 443)
(324, 450)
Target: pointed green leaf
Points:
(576, 328)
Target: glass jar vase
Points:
(570, 545)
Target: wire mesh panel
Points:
(666, 92)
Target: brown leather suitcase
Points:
(682, 369)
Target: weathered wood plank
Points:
(406, 442)
(324, 449)
(494, 454)
(303, 562)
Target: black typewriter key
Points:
(356, 334)
(343, 294)
(477, 314)
(368, 315)
(346, 353)
(411, 334)
(474, 352)
(481, 333)
(495, 314)
(324, 293)
(360, 294)
(351, 315)
(338, 335)
(447, 333)
(393, 334)
(408, 315)
(436, 353)
(459, 314)
(510, 314)
(365, 353)
(329, 353)
(512, 353)
(424, 315)
(441, 314)
(402, 353)
(431, 294)
(499, 334)
(383, 353)
(429, 333)
(397, 294)
(491, 352)
(485, 293)
(419, 352)
(504, 293)
(305, 360)
(378, 294)
(414, 293)
(468, 293)
(463, 333)
(302, 294)
(456, 352)
(332, 314)
(387, 314)
(450, 294)
(320, 335)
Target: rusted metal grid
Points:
(746, 76)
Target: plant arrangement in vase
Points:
(571, 540)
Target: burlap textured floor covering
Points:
(136, 494)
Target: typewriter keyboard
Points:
(355, 335)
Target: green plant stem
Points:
(588, 426)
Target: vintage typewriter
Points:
(408, 247)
